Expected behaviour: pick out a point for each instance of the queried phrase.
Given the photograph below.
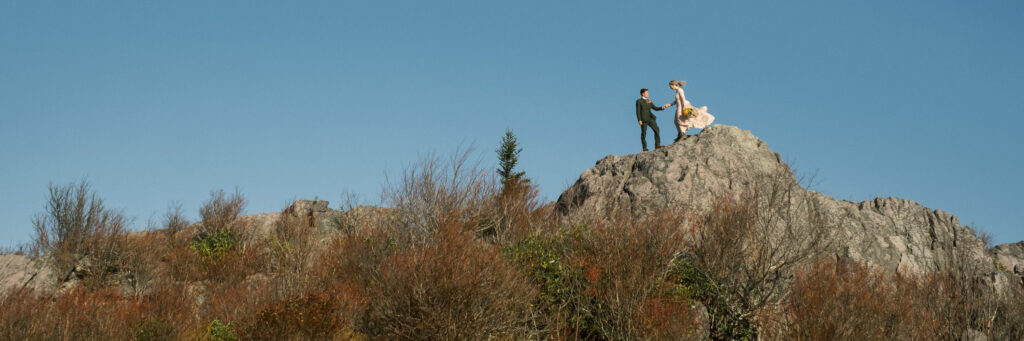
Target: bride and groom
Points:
(686, 115)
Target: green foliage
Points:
(219, 331)
(212, 248)
(690, 281)
(999, 265)
(695, 283)
(508, 157)
(541, 258)
(545, 258)
(151, 329)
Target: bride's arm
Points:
(670, 104)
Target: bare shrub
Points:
(77, 230)
(452, 288)
(610, 280)
(220, 212)
(182, 263)
(23, 316)
(1009, 318)
(292, 245)
(78, 314)
(751, 242)
(221, 242)
(321, 314)
(234, 301)
(433, 193)
(174, 220)
(964, 294)
(624, 267)
(514, 213)
(170, 313)
(143, 261)
(844, 300)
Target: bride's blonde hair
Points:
(677, 83)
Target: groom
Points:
(646, 118)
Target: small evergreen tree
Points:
(508, 156)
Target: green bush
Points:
(695, 283)
(543, 261)
(212, 248)
(151, 329)
(219, 331)
(561, 282)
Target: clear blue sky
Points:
(162, 102)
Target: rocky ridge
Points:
(893, 233)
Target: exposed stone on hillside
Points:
(893, 233)
(22, 272)
(319, 214)
(1010, 256)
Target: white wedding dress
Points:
(699, 117)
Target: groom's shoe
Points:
(659, 147)
(645, 149)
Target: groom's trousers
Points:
(643, 133)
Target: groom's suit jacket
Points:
(643, 110)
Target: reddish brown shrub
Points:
(451, 288)
(235, 301)
(356, 258)
(104, 314)
(84, 314)
(623, 266)
(514, 213)
(667, 318)
(23, 316)
(170, 313)
(843, 300)
(315, 315)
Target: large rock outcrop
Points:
(22, 272)
(1010, 256)
(892, 233)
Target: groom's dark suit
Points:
(643, 114)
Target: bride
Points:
(686, 115)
